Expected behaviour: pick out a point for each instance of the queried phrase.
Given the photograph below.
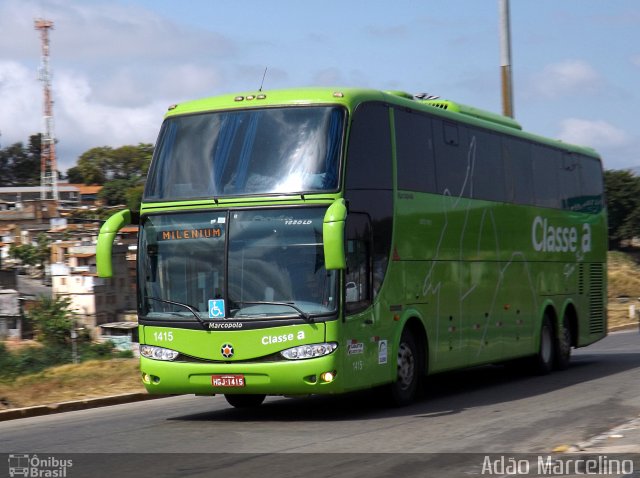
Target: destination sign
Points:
(185, 234)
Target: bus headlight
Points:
(157, 353)
(309, 351)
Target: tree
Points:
(134, 197)
(42, 250)
(92, 165)
(20, 165)
(74, 175)
(115, 192)
(623, 206)
(30, 255)
(25, 253)
(52, 320)
(103, 164)
(130, 162)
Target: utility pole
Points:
(48, 168)
(505, 59)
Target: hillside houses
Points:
(71, 271)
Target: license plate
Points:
(227, 380)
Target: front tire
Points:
(245, 401)
(409, 362)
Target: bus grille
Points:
(596, 299)
(581, 279)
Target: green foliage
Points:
(30, 255)
(130, 162)
(121, 171)
(104, 164)
(97, 351)
(92, 165)
(20, 164)
(52, 320)
(134, 197)
(123, 354)
(25, 253)
(114, 192)
(42, 250)
(623, 206)
(74, 175)
(31, 360)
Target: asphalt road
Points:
(479, 411)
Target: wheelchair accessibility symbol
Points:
(216, 309)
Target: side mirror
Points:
(106, 237)
(333, 235)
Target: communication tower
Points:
(48, 168)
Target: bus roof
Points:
(351, 97)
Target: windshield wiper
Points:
(186, 306)
(301, 312)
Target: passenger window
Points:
(569, 182)
(452, 158)
(516, 155)
(414, 152)
(591, 184)
(487, 166)
(546, 167)
(369, 157)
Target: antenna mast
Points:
(505, 59)
(48, 168)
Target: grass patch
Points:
(623, 279)
(91, 379)
(623, 275)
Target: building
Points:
(10, 317)
(94, 300)
(29, 212)
(69, 194)
(88, 194)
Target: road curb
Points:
(624, 327)
(38, 410)
(624, 438)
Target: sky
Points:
(118, 64)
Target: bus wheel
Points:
(543, 363)
(403, 390)
(563, 346)
(245, 401)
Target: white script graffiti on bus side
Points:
(548, 237)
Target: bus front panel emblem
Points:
(227, 350)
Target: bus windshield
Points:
(275, 265)
(247, 152)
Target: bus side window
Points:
(414, 151)
(547, 163)
(516, 154)
(569, 181)
(487, 164)
(452, 158)
(358, 273)
(591, 185)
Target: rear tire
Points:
(545, 358)
(410, 368)
(563, 346)
(245, 401)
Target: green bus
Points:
(319, 241)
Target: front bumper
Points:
(290, 377)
